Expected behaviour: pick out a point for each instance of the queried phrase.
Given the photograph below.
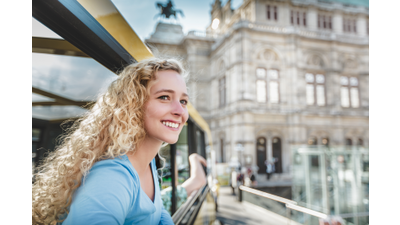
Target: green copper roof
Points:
(364, 3)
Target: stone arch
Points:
(349, 61)
(315, 60)
(267, 53)
(268, 132)
(320, 135)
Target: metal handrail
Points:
(267, 195)
(307, 211)
(179, 214)
(288, 203)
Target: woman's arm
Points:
(197, 176)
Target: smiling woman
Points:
(105, 171)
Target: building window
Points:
(324, 22)
(222, 91)
(349, 142)
(272, 76)
(267, 80)
(349, 25)
(312, 141)
(349, 92)
(272, 12)
(315, 89)
(261, 85)
(222, 150)
(360, 142)
(298, 18)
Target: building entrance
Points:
(277, 154)
(261, 153)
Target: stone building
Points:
(275, 74)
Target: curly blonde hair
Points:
(113, 127)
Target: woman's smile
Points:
(171, 124)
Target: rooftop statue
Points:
(168, 10)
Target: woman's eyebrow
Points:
(170, 91)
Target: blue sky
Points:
(141, 14)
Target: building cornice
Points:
(291, 30)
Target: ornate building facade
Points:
(272, 75)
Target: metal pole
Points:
(173, 178)
(240, 194)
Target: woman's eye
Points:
(184, 102)
(164, 97)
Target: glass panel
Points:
(35, 134)
(354, 98)
(353, 81)
(344, 97)
(310, 94)
(310, 77)
(320, 95)
(344, 80)
(273, 74)
(182, 156)
(331, 180)
(57, 112)
(260, 73)
(75, 78)
(165, 172)
(320, 78)
(261, 92)
(273, 92)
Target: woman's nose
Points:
(177, 108)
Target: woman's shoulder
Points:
(118, 166)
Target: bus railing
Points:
(293, 205)
(188, 211)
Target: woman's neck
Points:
(145, 152)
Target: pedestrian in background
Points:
(270, 168)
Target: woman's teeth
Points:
(170, 124)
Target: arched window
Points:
(222, 152)
(277, 154)
(360, 142)
(261, 154)
(312, 141)
(349, 142)
(313, 158)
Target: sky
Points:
(141, 15)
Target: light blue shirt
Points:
(111, 194)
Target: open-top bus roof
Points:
(92, 29)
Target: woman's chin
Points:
(171, 141)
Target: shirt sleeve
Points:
(166, 219)
(105, 197)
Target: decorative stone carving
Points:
(270, 55)
(315, 60)
(349, 61)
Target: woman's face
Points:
(165, 111)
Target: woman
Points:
(104, 172)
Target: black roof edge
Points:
(70, 20)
